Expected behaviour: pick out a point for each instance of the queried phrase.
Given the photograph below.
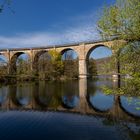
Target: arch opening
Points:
(42, 64)
(99, 61)
(70, 62)
(20, 64)
(3, 65)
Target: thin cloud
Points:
(83, 29)
(71, 35)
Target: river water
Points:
(72, 110)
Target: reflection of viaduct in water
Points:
(117, 111)
(83, 51)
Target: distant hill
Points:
(102, 60)
(102, 66)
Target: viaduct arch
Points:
(82, 50)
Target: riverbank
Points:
(16, 78)
(30, 78)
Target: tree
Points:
(70, 61)
(121, 21)
(4, 4)
(23, 66)
(44, 63)
(92, 67)
(56, 64)
(71, 68)
(109, 25)
(130, 58)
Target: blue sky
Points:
(100, 52)
(49, 22)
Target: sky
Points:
(34, 23)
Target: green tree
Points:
(44, 66)
(5, 4)
(70, 64)
(109, 25)
(23, 66)
(121, 21)
(130, 58)
(56, 64)
(71, 68)
(92, 67)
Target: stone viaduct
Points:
(83, 51)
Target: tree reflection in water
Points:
(3, 94)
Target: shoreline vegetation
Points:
(30, 78)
